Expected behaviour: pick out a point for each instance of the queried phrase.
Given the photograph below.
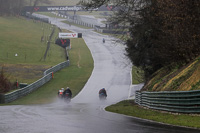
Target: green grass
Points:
(75, 76)
(131, 109)
(137, 75)
(23, 37)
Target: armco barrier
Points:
(172, 101)
(9, 97)
(57, 67)
(30, 16)
(26, 90)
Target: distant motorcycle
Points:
(102, 96)
(104, 40)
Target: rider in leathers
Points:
(103, 91)
(68, 91)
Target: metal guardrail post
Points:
(138, 97)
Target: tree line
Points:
(10, 7)
(162, 33)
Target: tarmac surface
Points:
(85, 113)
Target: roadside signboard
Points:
(66, 8)
(70, 35)
(63, 42)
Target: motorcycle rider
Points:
(60, 92)
(104, 40)
(67, 91)
(103, 91)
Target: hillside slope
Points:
(180, 79)
(22, 50)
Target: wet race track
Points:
(85, 113)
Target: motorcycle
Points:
(102, 96)
(104, 40)
(67, 98)
(60, 95)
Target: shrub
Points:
(5, 84)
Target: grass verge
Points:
(128, 107)
(23, 37)
(137, 75)
(22, 50)
(75, 76)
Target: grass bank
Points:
(130, 108)
(22, 51)
(183, 78)
(137, 75)
(187, 78)
(23, 37)
(75, 76)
